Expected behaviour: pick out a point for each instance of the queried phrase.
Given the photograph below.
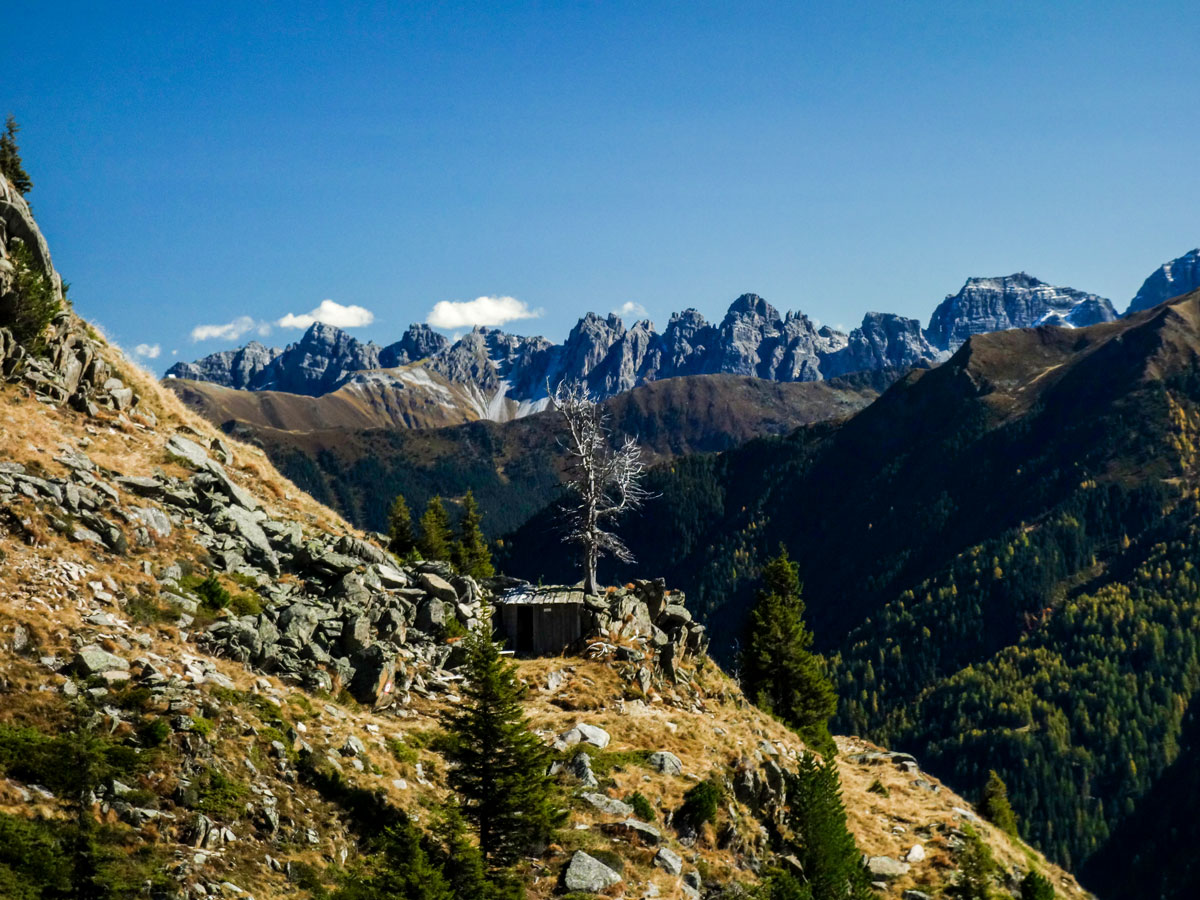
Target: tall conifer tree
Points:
(830, 859)
(401, 539)
(996, 808)
(434, 542)
(10, 158)
(498, 765)
(779, 670)
(471, 554)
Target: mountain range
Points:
(506, 375)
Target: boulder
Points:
(915, 854)
(635, 828)
(374, 675)
(154, 519)
(669, 861)
(589, 875)
(580, 767)
(584, 734)
(437, 586)
(193, 453)
(93, 660)
(884, 868)
(610, 806)
(666, 762)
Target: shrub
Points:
(700, 805)
(641, 807)
(219, 795)
(33, 303)
(212, 594)
(878, 787)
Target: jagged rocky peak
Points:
(319, 362)
(1015, 301)
(1173, 279)
(485, 357)
(419, 342)
(883, 341)
(230, 368)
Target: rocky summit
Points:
(1171, 279)
(1017, 301)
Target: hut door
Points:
(524, 629)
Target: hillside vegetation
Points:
(997, 556)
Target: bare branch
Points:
(607, 481)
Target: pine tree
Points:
(400, 871)
(401, 539)
(471, 554)
(33, 303)
(830, 859)
(996, 808)
(434, 542)
(1036, 887)
(10, 158)
(497, 765)
(976, 866)
(779, 671)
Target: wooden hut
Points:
(540, 621)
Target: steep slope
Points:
(513, 468)
(1172, 279)
(996, 553)
(410, 397)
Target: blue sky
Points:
(199, 163)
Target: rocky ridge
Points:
(1172, 279)
(510, 372)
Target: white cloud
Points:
(629, 308)
(230, 331)
(451, 314)
(330, 313)
(149, 351)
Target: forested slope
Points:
(997, 556)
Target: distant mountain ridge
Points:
(510, 372)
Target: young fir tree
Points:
(434, 542)
(496, 764)
(10, 158)
(33, 302)
(996, 808)
(779, 671)
(1036, 887)
(401, 539)
(401, 870)
(976, 866)
(471, 554)
(830, 859)
(462, 863)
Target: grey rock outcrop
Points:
(1173, 279)
(1016, 301)
(238, 368)
(589, 875)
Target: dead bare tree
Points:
(607, 481)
